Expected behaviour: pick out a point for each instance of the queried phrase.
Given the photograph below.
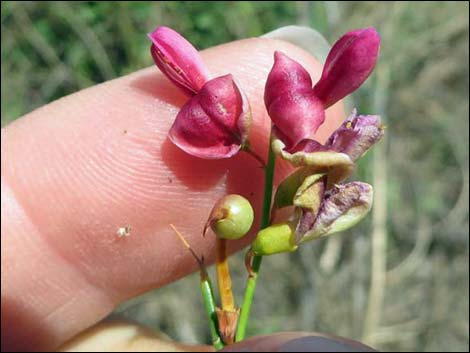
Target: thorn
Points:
(185, 243)
(187, 246)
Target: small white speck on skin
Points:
(124, 231)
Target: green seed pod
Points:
(274, 239)
(231, 217)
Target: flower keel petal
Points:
(178, 60)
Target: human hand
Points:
(78, 169)
(129, 337)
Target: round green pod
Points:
(231, 217)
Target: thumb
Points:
(78, 169)
(298, 342)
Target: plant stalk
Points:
(224, 281)
(207, 294)
(257, 259)
(209, 303)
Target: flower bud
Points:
(274, 239)
(350, 61)
(214, 123)
(178, 60)
(231, 217)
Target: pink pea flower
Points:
(178, 60)
(350, 61)
(296, 109)
(214, 123)
(293, 107)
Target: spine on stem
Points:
(207, 294)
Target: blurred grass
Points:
(419, 296)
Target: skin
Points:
(76, 170)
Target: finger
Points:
(123, 336)
(76, 170)
(298, 342)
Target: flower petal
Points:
(228, 106)
(319, 159)
(213, 124)
(297, 116)
(343, 207)
(356, 135)
(178, 60)
(287, 189)
(294, 109)
(308, 200)
(349, 63)
(286, 75)
(309, 194)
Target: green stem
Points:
(209, 303)
(256, 264)
(207, 294)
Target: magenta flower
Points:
(293, 107)
(296, 109)
(178, 60)
(214, 123)
(350, 61)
